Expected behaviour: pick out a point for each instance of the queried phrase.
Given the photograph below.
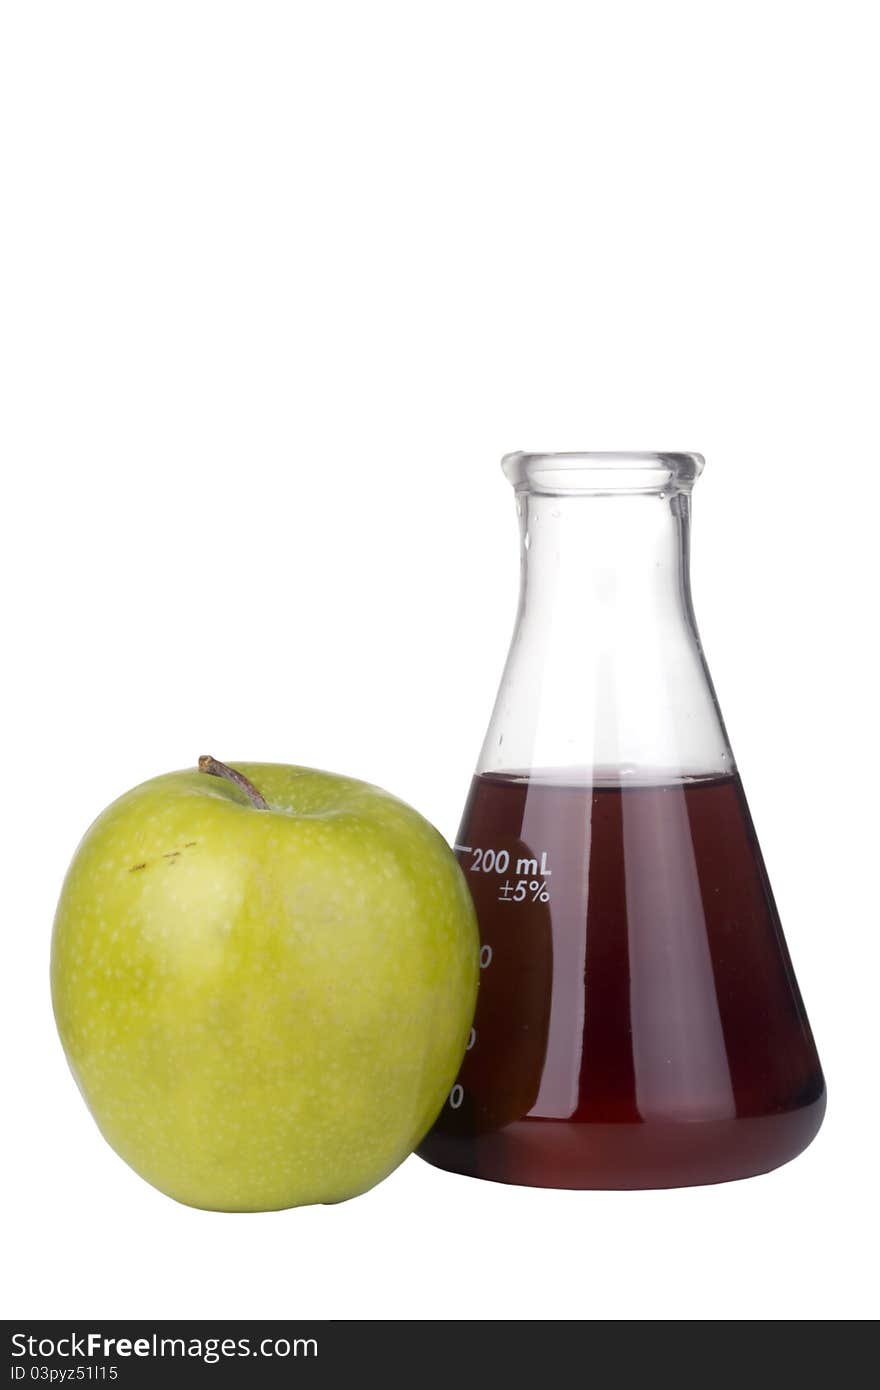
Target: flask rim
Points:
(611, 472)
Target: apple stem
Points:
(211, 765)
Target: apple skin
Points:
(263, 1008)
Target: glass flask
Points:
(638, 1022)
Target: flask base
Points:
(614, 1157)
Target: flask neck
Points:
(605, 678)
(616, 561)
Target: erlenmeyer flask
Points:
(638, 1021)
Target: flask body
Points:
(638, 1022)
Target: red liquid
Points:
(638, 1022)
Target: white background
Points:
(281, 283)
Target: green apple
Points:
(264, 981)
